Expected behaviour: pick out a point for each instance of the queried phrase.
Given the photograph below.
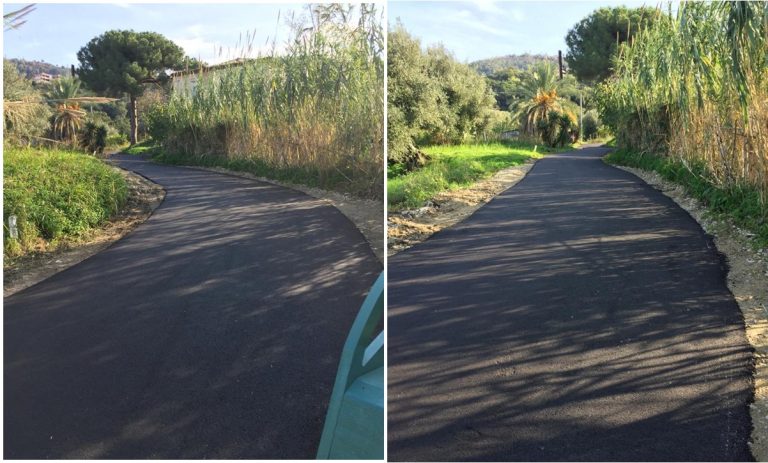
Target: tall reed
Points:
(695, 87)
(317, 108)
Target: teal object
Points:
(354, 425)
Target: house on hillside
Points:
(43, 78)
(185, 82)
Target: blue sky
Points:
(484, 29)
(55, 32)
(472, 30)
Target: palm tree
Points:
(537, 109)
(538, 92)
(68, 118)
(15, 19)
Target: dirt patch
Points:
(143, 198)
(748, 281)
(409, 227)
(366, 214)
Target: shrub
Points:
(94, 137)
(558, 129)
(432, 98)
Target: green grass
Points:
(739, 203)
(145, 147)
(456, 166)
(56, 195)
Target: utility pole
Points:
(560, 61)
(581, 115)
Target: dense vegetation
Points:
(695, 89)
(56, 194)
(314, 113)
(61, 113)
(490, 66)
(593, 41)
(432, 98)
(25, 113)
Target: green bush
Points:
(93, 138)
(558, 129)
(56, 194)
(117, 139)
(432, 98)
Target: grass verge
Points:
(146, 147)
(739, 203)
(457, 166)
(56, 195)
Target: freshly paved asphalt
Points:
(214, 330)
(581, 315)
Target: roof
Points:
(226, 64)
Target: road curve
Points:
(580, 315)
(214, 330)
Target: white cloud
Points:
(468, 22)
(499, 10)
(515, 15)
(197, 47)
(195, 29)
(488, 6)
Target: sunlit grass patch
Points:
(457, 166)
(56, 195)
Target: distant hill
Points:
(32, 68)
(493, 65)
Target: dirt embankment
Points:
(143, 198)
(409, 227)
(748, 281)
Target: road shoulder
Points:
(748, 282)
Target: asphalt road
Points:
(580, 315)
(214, 330)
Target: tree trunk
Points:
(134, 116)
